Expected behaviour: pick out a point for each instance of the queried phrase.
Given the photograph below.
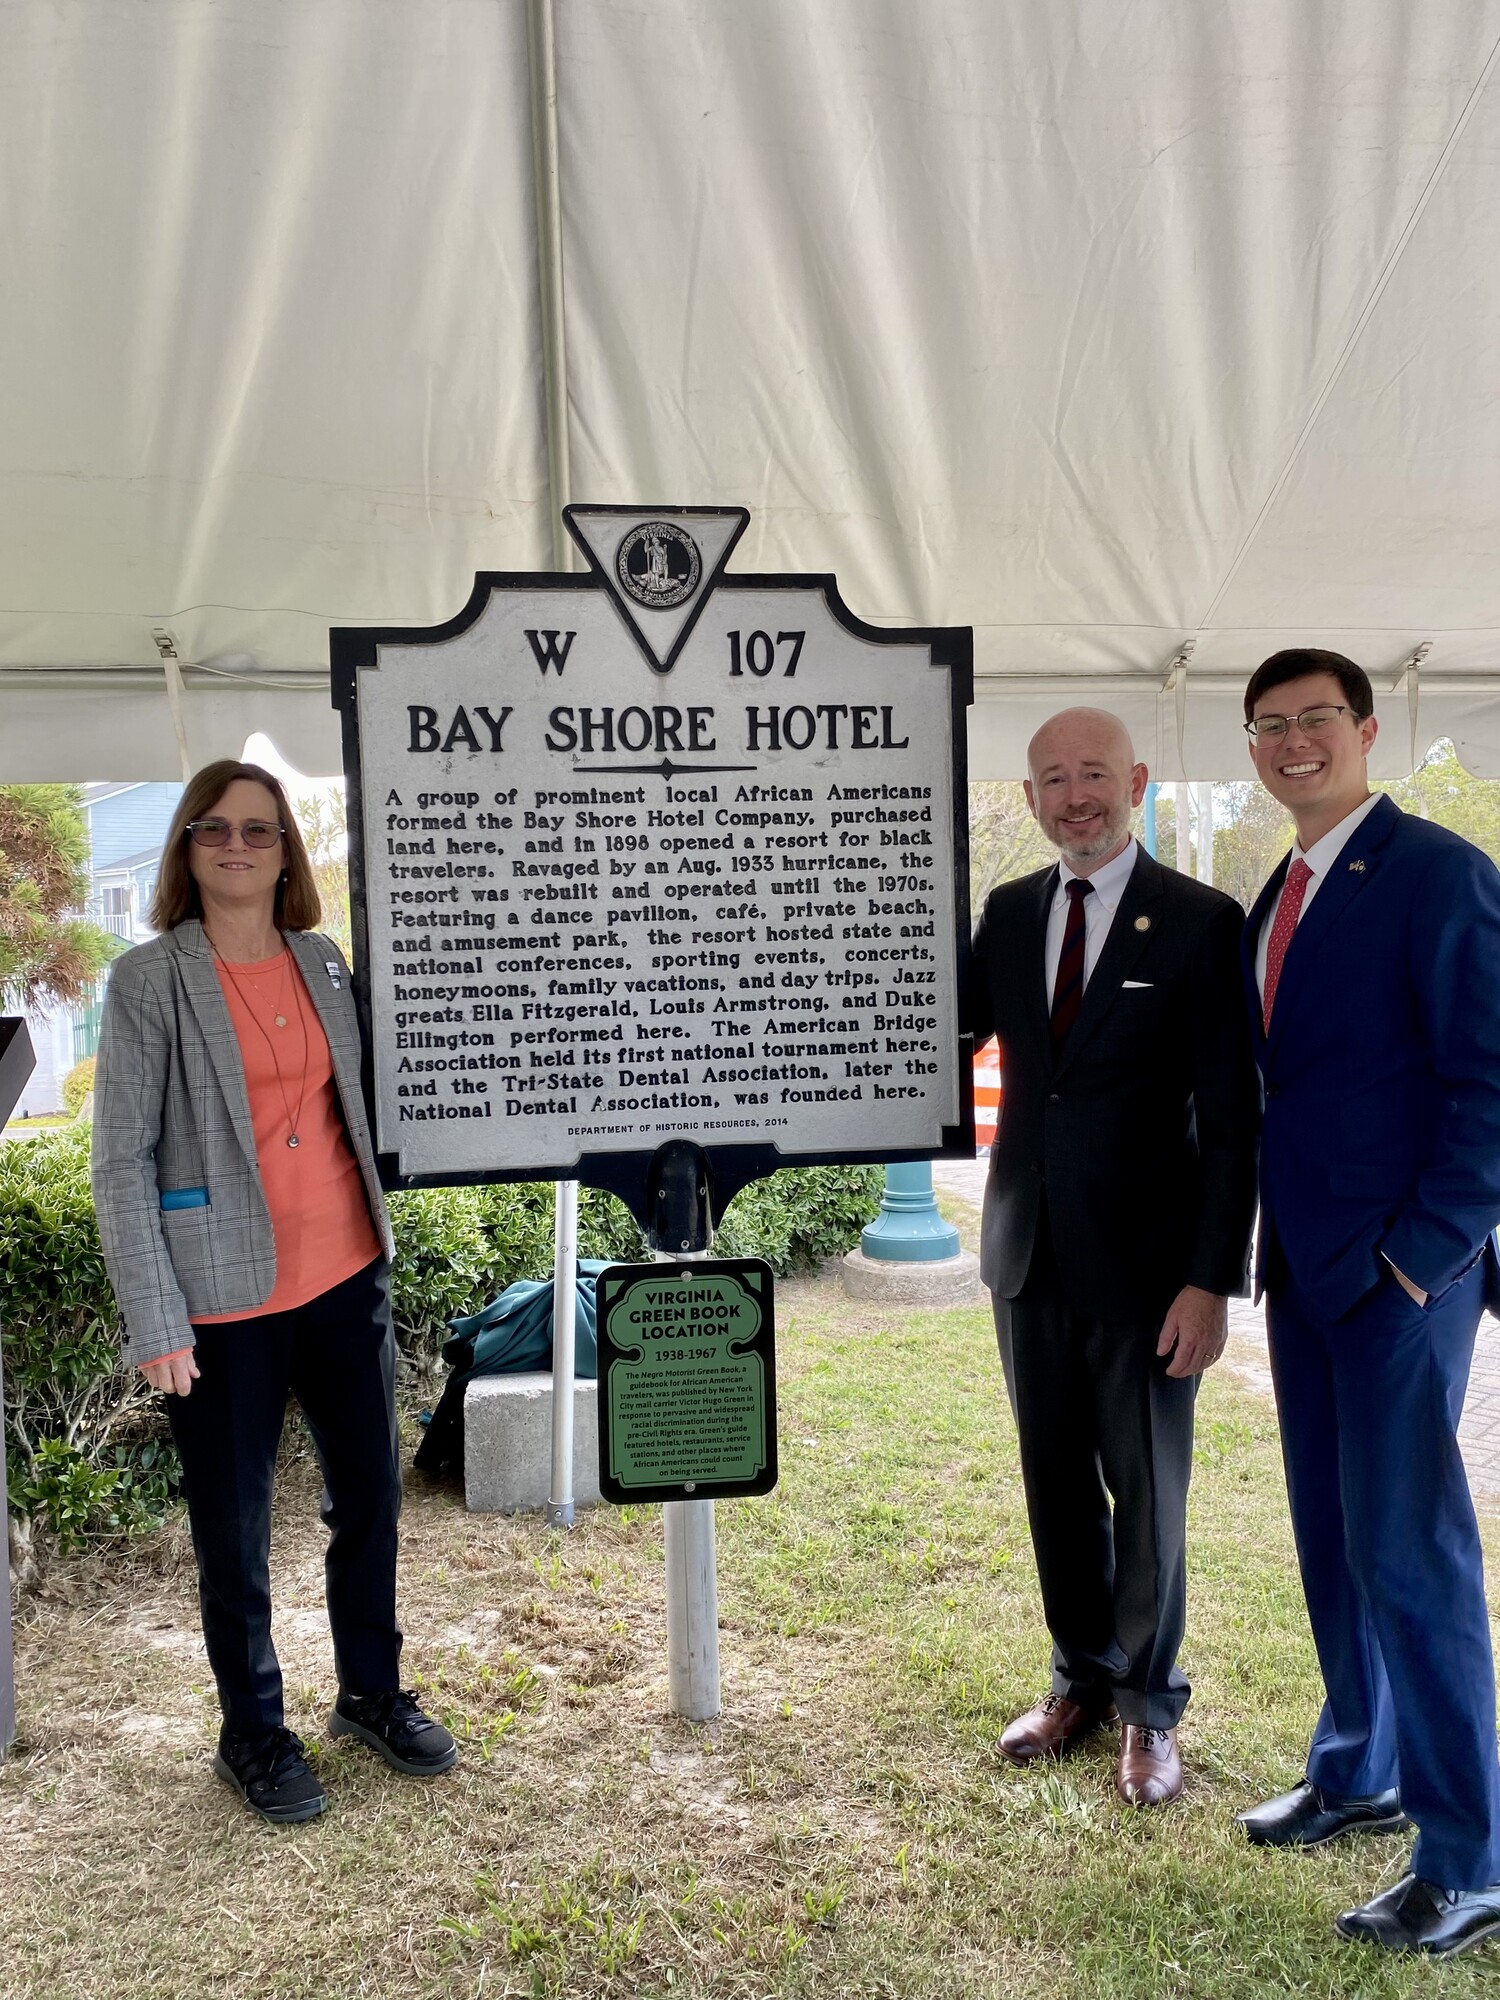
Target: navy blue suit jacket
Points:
(1381, 1072)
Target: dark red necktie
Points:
(1283, 930)
(1067, 988)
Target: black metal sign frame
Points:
(17, 1061)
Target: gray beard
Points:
(1112, 835)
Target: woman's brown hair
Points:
(176, 898)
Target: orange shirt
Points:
(320, 1214)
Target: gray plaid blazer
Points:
(171, 1112)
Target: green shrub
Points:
(67, 1396)
(800, 1217)
(77, 1084)
(77, 1455)
(81, 1500)
(456, 1248)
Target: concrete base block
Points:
(508, 1444)
(946, 1281)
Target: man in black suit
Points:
(1117, 1220)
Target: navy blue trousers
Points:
(336, 1355)
(1390, 1558)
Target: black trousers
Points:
(336, 1355)
(1098, 1419)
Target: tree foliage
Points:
(48, 954)
(1004, 840)
(1440, 789)
(322, 816)
(1252, 832)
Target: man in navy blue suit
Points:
(1372, 969)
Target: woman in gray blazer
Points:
(248, 1245)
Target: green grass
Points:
(845, 1829)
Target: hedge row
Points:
(84, 1448)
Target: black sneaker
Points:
(271, 1775)
(392, 1723)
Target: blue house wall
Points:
(129, 822)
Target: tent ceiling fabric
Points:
(1101, 330)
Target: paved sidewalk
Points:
(1478, 1434)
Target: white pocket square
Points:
(1137, 985)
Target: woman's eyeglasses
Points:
(216, 832)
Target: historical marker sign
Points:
(687, 1380)
(657, 852)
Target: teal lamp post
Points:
(908, 1229)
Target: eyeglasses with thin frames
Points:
(216, 832)
(1310, 721)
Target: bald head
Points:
(1083, 783)
(1073, 732)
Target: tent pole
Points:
(541, 51)
(541, 56)
(1205, 804)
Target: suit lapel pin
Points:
(1143, 923)
(1356, 868)
(331, 967)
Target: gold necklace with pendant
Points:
(293, 1123)
(278, 1006)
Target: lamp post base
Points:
(908, 1229)
(952, 1282)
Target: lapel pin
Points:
(331, 967)
(1143, 923)
(1356, 868)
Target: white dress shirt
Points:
(1108, 885)
(1320, 858)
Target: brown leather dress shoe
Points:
(1049, 1729)
(1150, 1770)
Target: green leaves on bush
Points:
(800, 1217)
(77, 1084)
(82, 1501)
(69, 1401)
(458, 1247)
(65, 1391)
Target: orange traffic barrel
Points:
(986, 1093)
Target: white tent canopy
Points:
(1124, 334)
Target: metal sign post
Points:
(687, 1402)
(564, 1314)
(17, 1061)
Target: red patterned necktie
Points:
(1282, 929)
(1067, 988)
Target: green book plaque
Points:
(687, 1380)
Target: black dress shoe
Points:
(1419, 1916)
(271, 1775)
(396, 1728)
(1306, 1817)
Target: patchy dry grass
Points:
(846, 1829)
